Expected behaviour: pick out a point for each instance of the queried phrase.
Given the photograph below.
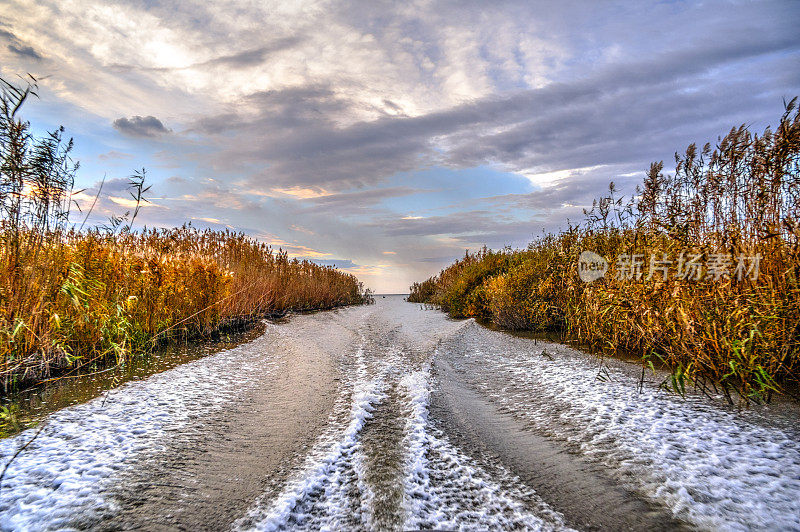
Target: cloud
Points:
(20, 49)
(303, 137)
(114, 155)
(131, 203)
(25, 51)
(138, 126)
(294, 249)
(442, 259)
(574, 189)
(460, 223)
(300, 192)
(329, 122)
(254, 56)
(235, 60)
(356, 202)
(301, 229)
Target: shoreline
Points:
(31, 404)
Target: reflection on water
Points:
(30, 405)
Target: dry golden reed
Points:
(735, 332)
(71, 297)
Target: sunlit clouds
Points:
(390, 137)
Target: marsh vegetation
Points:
(704, 269)
(74, 296)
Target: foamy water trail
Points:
(60, 480)
(318, 496)
(445, 489)
(406, 420)
(442, 487)
(713, 467)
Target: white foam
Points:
(317, 496)
(713, 467)
(445, 489)
(60, 480)
(442, 488)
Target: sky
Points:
(387, 138)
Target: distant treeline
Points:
(703, 270)
(73, 297)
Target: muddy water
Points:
(392, 417)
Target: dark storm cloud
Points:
(138, 126)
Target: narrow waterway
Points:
(392, 417)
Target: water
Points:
(35, 403)
(390, 417)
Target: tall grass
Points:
(71, 296)
(726, 209)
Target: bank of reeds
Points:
(74, 296)
(703, 270)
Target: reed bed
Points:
(72, 297)
(703, 270)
